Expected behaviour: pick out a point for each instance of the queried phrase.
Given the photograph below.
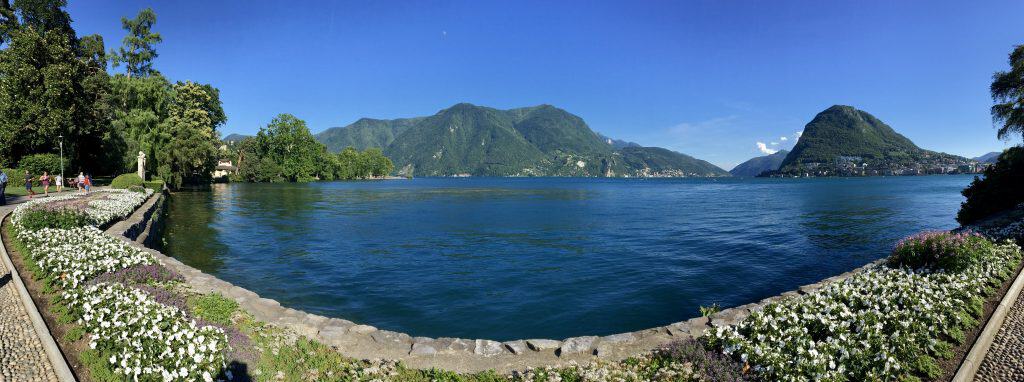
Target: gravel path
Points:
(22, 357)
(1005, 359)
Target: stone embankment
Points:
(363, 341)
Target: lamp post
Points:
(61, 137)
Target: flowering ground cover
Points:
(891, 322)
(132, 336)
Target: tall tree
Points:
(137, 51)
(190, 152)
(1008, 93)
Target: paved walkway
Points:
(1005, 359)
(22, 357)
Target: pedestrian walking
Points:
(28, 184)
(88, 183)
(59, 182)
(3, 187)
(81, 182)
(45, 180)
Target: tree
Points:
(289, 143)
(190, 152)
(137, 52)
(140, 105)
(1008, 93)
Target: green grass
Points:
(19, 190)
(213, 307)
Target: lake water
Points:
(541, 257)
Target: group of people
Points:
(83, 182)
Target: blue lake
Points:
(502, 258)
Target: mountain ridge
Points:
(541, 140)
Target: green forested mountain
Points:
(755, 166)
(844, 139)
(365, 133)
(532, 141)
(989, 158)
(656, 161)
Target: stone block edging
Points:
(456, 354)
(972, 362)
(53, 353)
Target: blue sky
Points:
(706, 78)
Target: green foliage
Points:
(708, 311)
(65, 218)
(1001, 188)
(140, 104)
(155, 185)
(36, 164)
(98, 366)
(49, 88)
(213, 307)
(939, 250)
(1008, 93)
(124, 181)
(190, 152)
(137, 52)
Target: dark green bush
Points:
(37, 163)
(125, 181)
(38, 218)
(155, 185)
(1000, 188)
(942, 250)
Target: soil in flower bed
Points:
(951, 365)
(71, 349)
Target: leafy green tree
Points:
(1008, 93)
(190, 152)
(140, 105)
(348, 163)
(288, 142)
(137, 51)
(47, 90)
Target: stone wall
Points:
(359, 340)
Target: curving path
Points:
(1005, 359)
(22, 355)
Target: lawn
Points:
(19, 190)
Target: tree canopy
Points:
(1008, 93)
(137, 51)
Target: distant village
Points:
(859, 166)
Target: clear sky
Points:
(706, 78)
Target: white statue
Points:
(142, 165)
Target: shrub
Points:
(38, 218)
(37, 163)
(155, 185)
(940, 250)
(124, 181)
(1001, 188)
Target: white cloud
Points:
(783, 139)
(799, 134)
(775, 143)
(764, 148)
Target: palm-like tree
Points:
(1008, 93)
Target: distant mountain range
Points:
(532, 141)
(991, 157)
(845, 141)
(234, 138)
(755, 166)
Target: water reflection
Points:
(514, 258)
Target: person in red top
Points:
(88, 183)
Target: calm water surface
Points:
(544, 258)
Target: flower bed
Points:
(132, 334)
(883, 324)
